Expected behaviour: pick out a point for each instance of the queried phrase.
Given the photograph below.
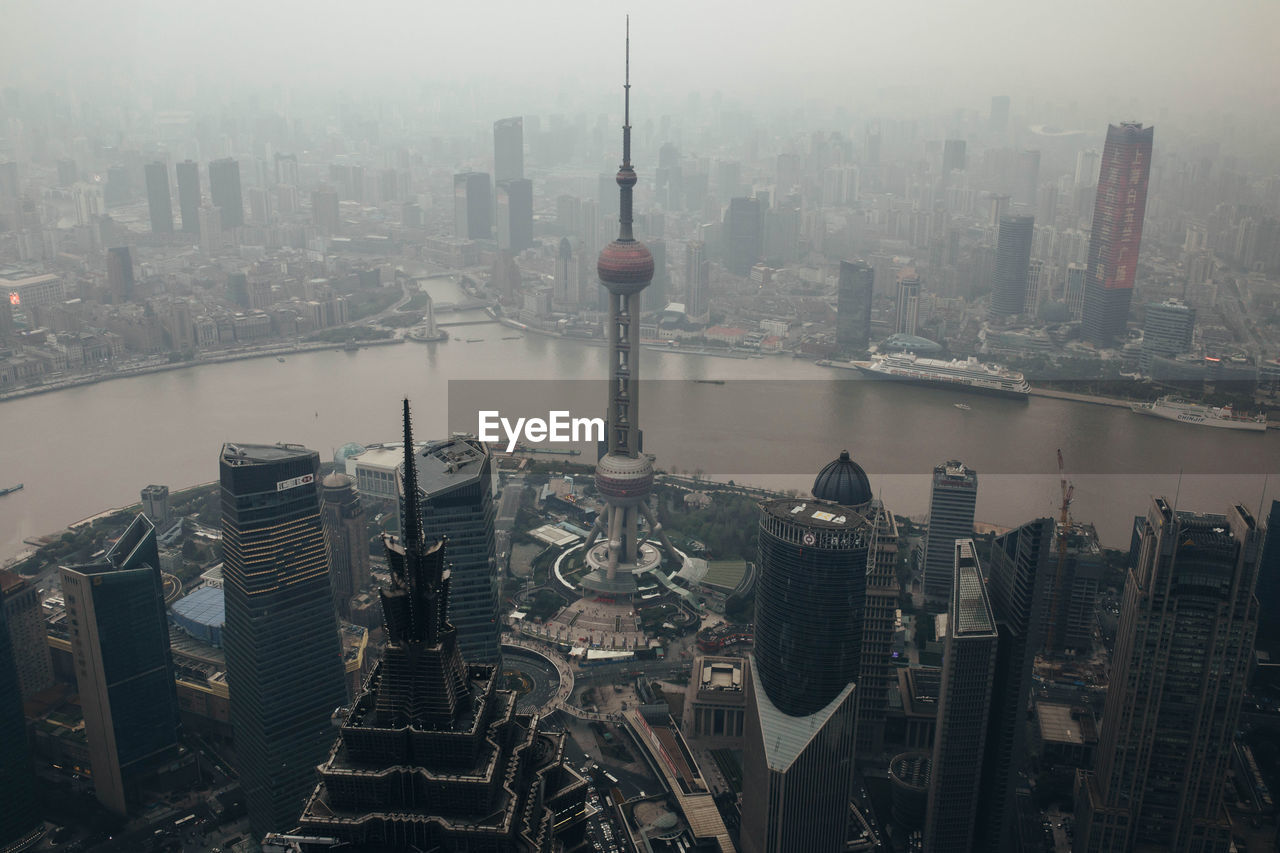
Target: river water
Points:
(81, 450)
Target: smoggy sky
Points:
(1188, 56)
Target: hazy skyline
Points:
(950, 56)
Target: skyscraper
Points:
(798, 752)
(1268, 587)
(433, 754)
(853, 307)
(124, 672)
(472, 206)
(615, 552)
(1167, 329)
(697, 277)
(346, 537)
(743, 234)
(210, 230)
(189, 195)
(120, 274)
(1181, 658)
(1118, 211)
(224, 191)
(20, 823)
(953, 156)
(455, 497)
(563, 295)
(968, 671)
(951, 504)
(844, 482)
(508, 149)
(515, 214)
(159, 204)
(908, 313)
(284, 658)
(24, 613)
(1019, 584)
(1013, 257)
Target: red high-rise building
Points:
(1118, 210)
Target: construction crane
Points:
(1064, 526)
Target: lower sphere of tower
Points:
(625, 266)
(624, 480)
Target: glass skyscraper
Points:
(284, 657)
(455, 495)
(19, 818)
(124, 672)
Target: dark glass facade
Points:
(159, 205)
(284, 658)
(455, 479)
(19, 817)
(853, 307)
(120, 645)
(1013, 259)
(224, 191)
(809, 601)
(1183, 651)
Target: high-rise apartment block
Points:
(697, 277)
(159, 204)
(124, 671)
(284, 657)
(325, 213)
(951, 506)
(1182, 655)
(1116, 236)
(854, 292)
(224, 191)
(1013, 257)
(908, 313)
(953, 156)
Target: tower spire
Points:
(626, 103)
(626, 174)
(412, 522)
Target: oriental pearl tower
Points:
(615, 552)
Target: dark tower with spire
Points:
(433, 755)
(624, 475)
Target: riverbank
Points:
(276, 350)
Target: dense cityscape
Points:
(420, 639)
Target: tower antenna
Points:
(412, 522)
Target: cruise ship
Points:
(1173, 409)
(967, 375)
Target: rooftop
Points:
(814, 513)
(248, 454)
(204, 606)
